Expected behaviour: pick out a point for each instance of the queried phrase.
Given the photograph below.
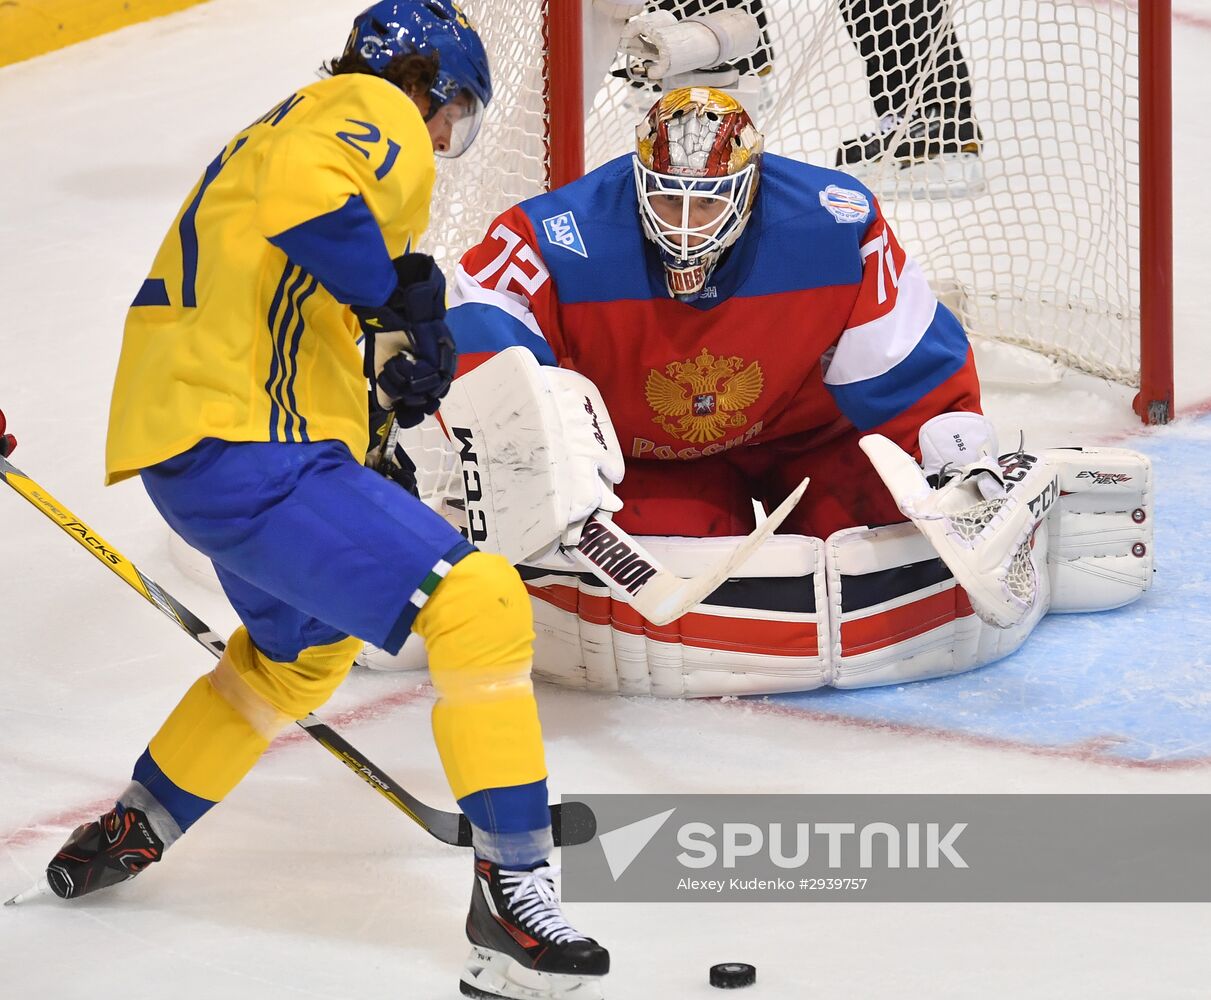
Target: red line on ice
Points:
(53, 826)
(1087, 751)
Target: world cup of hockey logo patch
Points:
(701, 399)
(563, 232)
(845, 205)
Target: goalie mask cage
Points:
(1067, 252)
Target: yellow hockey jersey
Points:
(243, 331)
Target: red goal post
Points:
(1067, 252)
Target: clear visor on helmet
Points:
(691, 217)
(453, 122)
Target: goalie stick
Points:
(578, 826)
(636, 577)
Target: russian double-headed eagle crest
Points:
(701, 399)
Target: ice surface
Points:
(305, 885)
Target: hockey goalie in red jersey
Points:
(745, 317)
(709, 324)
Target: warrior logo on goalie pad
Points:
(615, 559)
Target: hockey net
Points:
(1047, 257)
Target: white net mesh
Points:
(968, 524)
(1019, 572)
(1021, 579)
(507, 163)
(439, 473)
(1047, 256)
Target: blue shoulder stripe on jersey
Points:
(185, 807)
(614, 265)
(479, 328)
(346, 251)
(792, 243)
(800, 244)
(940, 353)
(153, 292)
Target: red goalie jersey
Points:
(815, 328)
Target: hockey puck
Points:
(733, 975)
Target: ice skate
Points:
(522, 947)
(102, 853)
(927, 157)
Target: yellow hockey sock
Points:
(479, 634)
(228, 718)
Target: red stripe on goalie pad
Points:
(886, 628)
(704, 631)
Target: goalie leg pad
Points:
(1100, 531)
(758, 633)
(897, 614)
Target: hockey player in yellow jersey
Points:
(285, 281)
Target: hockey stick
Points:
(637, 578)
(448, 827)
(632, 573)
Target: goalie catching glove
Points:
(979, 513)
(410, 353)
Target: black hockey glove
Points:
(8, 443)
(400, 468)
(387, 456)
(410, 353)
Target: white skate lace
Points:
(532, 898)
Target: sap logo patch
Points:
(563, 232)
(845, 205)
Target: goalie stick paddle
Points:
(571, 823)
(636, 577)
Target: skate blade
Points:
(940, 178)
(39, 888)
(489, 975)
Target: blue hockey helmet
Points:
(438, 28)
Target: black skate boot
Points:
(521, 945)
(104, 852)
(933, 155)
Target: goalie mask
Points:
(696, 162)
